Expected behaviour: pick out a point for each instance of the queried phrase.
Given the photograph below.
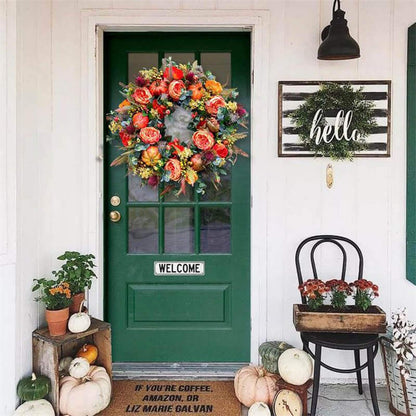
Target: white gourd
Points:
(64, 364)
(259, 409)
(79, 367)
(80, 321)
(35, 408)
(295, 366)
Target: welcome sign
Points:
(179, 268)
(292, 94)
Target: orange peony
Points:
(214, 104)
(150, 135)
(140, 121)
(203, 139)
(220, 150)
(213, 86)
(175, 89)
(151, 155)
(142, 95)
(174, 167)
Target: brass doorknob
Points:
(115, 216)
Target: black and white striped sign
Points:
(292, 94)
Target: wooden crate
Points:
(302, 391)
(326, 319)
(48, 350)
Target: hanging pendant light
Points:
(337, 42)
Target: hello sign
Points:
(292, 94)
(338, 131)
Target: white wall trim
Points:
(94, 23)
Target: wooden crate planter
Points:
(352, 320)
(47, 351)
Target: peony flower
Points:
(220, 150)
(213, 86)
(175, 89)
(203, 139)
(214, 104)
(125, 138)
(140, 121)
(142, 95)
(150, 135)
(174, 167)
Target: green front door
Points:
(200, 318)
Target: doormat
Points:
(214, 398)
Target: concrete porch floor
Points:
(344, 400)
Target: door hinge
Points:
(252, 76)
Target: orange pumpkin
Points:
(197, 91)
(151, 155)
(254, 384)
(88, 351)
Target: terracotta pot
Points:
(76, 302)
(57, 321)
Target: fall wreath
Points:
(177, 125)
(330, 98)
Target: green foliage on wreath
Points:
(332, 96)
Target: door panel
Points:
(178, 318)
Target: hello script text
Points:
(338, 131)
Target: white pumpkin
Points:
(79, 322)
(79, 367)
(85, 397)
(295, 366)
(259, 409)
(35, 408)
(64, 364)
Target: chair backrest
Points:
(337, 241)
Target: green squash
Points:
(33, 388)
(270, 352)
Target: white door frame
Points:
(94, 24)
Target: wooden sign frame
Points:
(291, 94)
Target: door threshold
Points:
(175, 371)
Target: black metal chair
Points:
(338, 341)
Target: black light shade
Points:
(337, 42)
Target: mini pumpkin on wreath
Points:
(331, 98)
(178, 125)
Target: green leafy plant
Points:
(77, 271)
(330, 98)
(54, 294)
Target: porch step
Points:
(175, 371)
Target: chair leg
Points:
(372, 381)
(357, 365)
(316, 377)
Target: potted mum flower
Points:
(56, 296)
(364, 292)
(339, 291)
(314, 290)
(78, 272)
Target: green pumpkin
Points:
(270, 352)
(33, 388)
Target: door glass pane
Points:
(215, 230)
(171, 196)
(222, 193)
(143, 230)
(140, 60)
(139, 192)
(219, 63)
(181, 57)
(179, 230)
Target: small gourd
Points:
(270, 352)
(64, 364)
(79, 367)
(80, 321)
(259, 409)
(33, 388)
(295, 366)
(88, 351)
(35, 408)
